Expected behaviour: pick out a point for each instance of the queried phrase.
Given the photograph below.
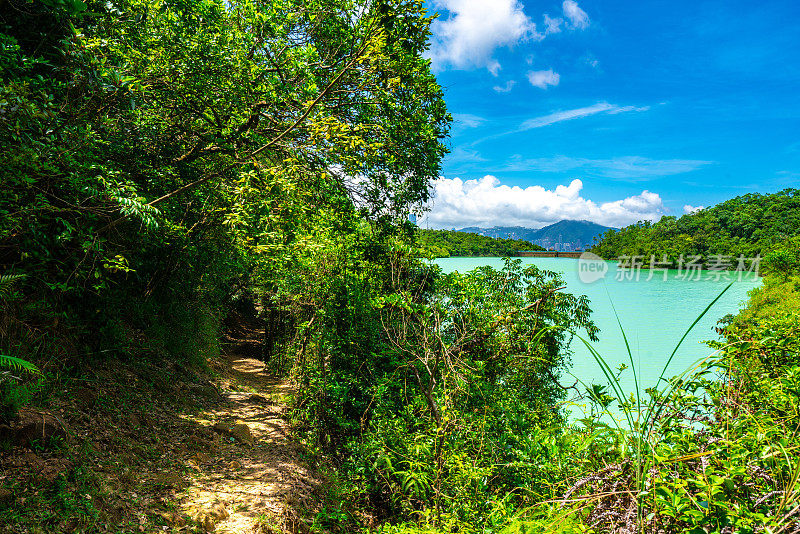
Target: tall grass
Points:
(643, 417)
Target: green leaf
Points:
(17, 364)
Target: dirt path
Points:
(154, 446)
(256, 481)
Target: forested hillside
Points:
(748, 225)
(562, 231)
(445, 243)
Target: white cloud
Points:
(591, 61)
(543, 78)
(467, 120)
(552, 25)
(474, 29)
(624, 109)
(469, 31)
(626, 168)
(579, 113)
(565, 115)
(688, 208)
(487, 202)
(577, 17)
(505, 88)
(465, 155)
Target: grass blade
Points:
(651, 417)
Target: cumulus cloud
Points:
(474, 29)
(505, 88)
(487, 202)
(543, 78)
(688, 208)
(469, 31)
(576, 16)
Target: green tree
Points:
(158, 152)
(749, 226)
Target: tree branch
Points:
(256, 152)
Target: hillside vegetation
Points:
(749, 225)
(445, 243)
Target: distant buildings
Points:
(560, 246)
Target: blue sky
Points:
(613, 111)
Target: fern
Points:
(17, 364)
(7, 284)
(10, 362)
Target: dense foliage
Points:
(446, 243)
(747, 226)
(159, 157)
(164, 162)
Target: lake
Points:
(654, 313)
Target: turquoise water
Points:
(655, 314)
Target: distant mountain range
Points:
(566, 231)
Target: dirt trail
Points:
(256, 481)
(154, 445)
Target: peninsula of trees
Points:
(445, 243)
(750, 225)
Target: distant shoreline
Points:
(545, 254)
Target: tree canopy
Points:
(149, 145)
(749, 225)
